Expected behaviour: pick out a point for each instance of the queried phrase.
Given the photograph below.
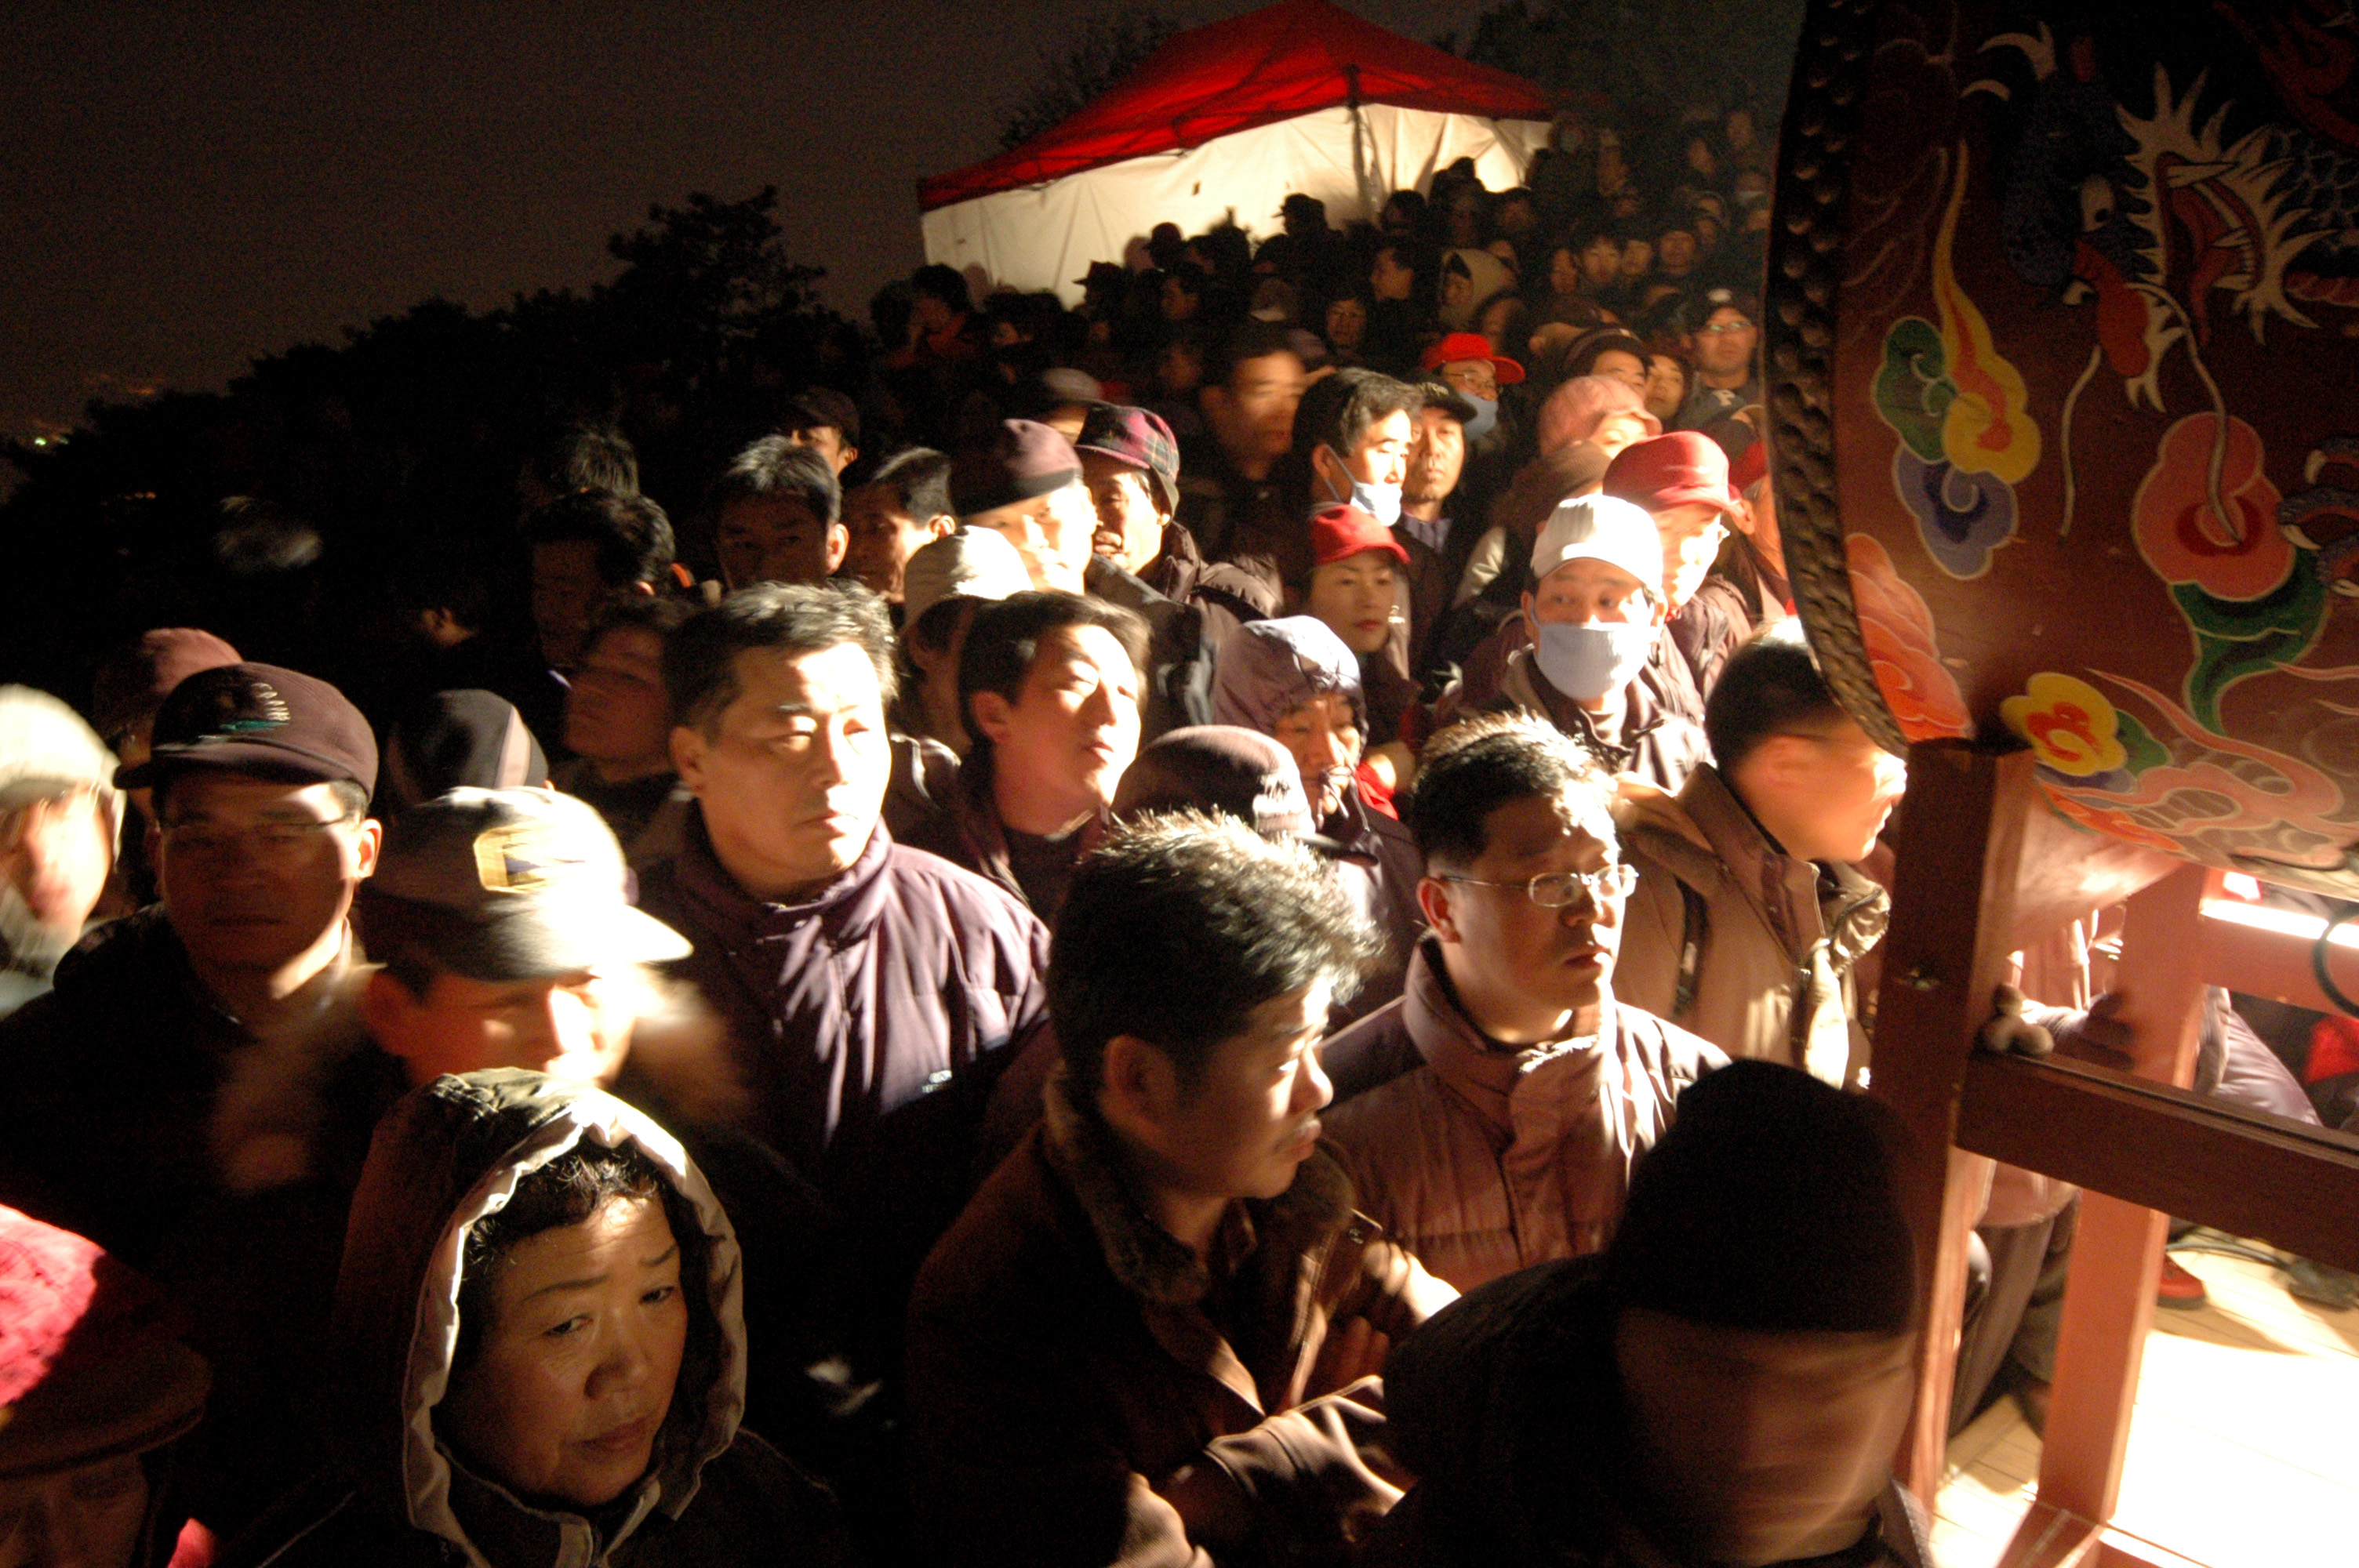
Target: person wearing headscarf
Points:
(1295, 680)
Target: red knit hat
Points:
(90, 1366)
(1664, 472)
(1339, 530)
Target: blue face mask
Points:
(1588, 661)
(1381, 502)
(1486, 417)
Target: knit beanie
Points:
(91, 1364)
(1769, 1205)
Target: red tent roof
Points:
(1269, 65)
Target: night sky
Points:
(184, 187)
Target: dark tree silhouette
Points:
(1643, 57)
(414, 427)
(1096, 53)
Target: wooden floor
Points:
(2243, 1452)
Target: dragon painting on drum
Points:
(2064, 323)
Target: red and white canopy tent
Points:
(1230, 117)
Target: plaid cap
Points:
(259, 719)
(502, 884)
(1137, 437)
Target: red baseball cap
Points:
(1339, 530)
(1750, 467)
(1472, 346)
(1664, 472)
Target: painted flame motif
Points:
(1988, 428)
(2216, 797)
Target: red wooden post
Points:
(2117, 1248)
(1952, 924)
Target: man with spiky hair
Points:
(1148, 1338)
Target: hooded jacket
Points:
(393, 1493)
(1067, 1355)
(1730, 937)
(1482, 1159)
(1266, 671)
(1506, 1407)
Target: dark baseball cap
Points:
(504, 884)
(1226, 768)
(819, 408)
(1024, 462)
(259, 719)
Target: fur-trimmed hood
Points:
(444, 1158)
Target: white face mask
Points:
(1586, 662)
(1381, 502)
(1486, 417)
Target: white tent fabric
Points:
(1046, 237)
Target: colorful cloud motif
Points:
(1897, 630)
(2223, 540)
(2237, 639)
(1960, 517)
(2069, 724)
(1913, 390)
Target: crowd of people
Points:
(1258, 946)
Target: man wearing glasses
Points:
(1491, 1118)
(182, 1094)
(1728, 375)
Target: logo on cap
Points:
(242, 708)
(522, 857)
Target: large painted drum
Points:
(2063, 348)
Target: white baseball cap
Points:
(973, 563)
(1600, 528)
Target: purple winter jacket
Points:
(867, 1026)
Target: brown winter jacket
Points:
(1483, 1159)
(1063, 1362)
(1775, 940)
